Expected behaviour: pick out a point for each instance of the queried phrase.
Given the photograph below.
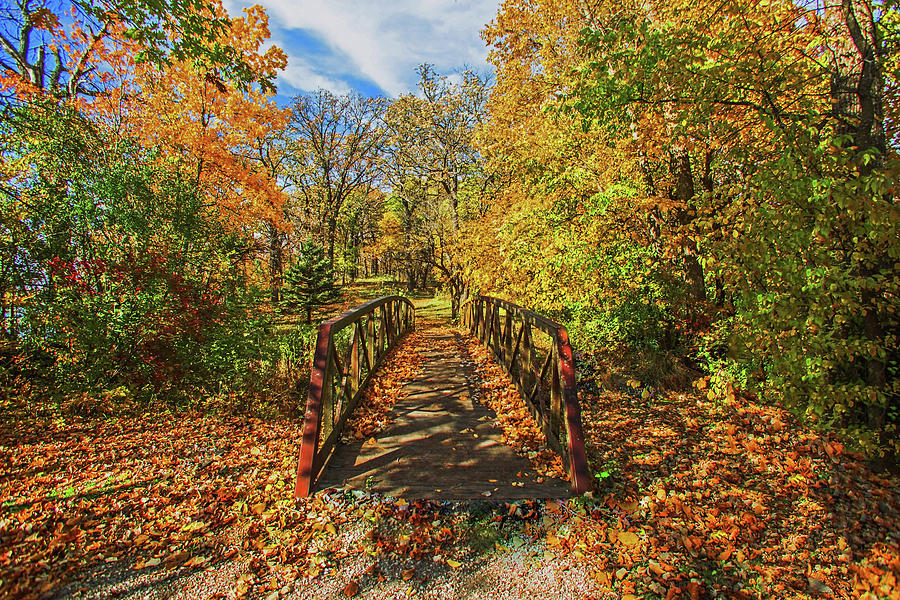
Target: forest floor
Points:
(694, 499)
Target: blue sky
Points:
(373, 47)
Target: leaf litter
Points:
(697, 500)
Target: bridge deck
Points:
(440, 445)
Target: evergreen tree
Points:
(310, 281)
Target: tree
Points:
(723, 167)
(36, 49)
(437, 172)
(338, 141)
(127, 202)
(310, 281)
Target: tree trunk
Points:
(680, 165)
(276, 263)
(332, 230)
(858, 102)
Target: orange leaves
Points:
(155, 492)
(520, 431)
(737, 486)
(385, 389)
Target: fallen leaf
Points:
(628, 538)
(197, 561)
(407, 574)
(177, 557)
(351, 589)
(694, 590)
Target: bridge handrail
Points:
(335, 385)
(552, 397)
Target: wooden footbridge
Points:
(440, 443)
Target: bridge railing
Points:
(543, 370)
(349, 349)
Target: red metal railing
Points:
(544, 374)
(343, 362)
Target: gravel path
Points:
(493, 559)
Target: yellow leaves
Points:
(628, 538)
(194, 526)
(141, 564)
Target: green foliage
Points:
(178, 30)
(122, 278)
(815, 305)
(310, 281)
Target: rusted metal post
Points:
(310, 441)
(578, 466)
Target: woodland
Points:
(703, 192)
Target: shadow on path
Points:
(440, 444)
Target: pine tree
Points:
(309, 282)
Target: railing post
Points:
(508, 340)
(328, 394)
(498, 335)
(527, 357)
(578, 466)
(311, 431)
(556, 408)
(389, 319)
(382, 331)
(353, 380)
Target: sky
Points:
(373, 46)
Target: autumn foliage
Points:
(704, 179)
(129, 203)
(704, 192)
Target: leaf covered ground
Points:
(695, 499)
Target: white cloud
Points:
(384, 41)
(302, 76)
